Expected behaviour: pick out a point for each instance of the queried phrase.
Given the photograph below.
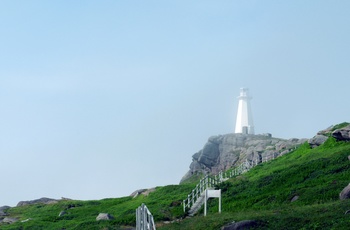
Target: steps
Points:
(195, 199)
(198, 204)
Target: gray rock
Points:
(326, 131)
(295, 198)
(148, 191)
(345, 193)
(9, 220)
(2, 208)
(104, 216)
(2, 213)
(43, 200)
(26, 220)
(62, 213)
(317, 140)
(144, 192)
(244, 224)
(137, 192)
(342, 134)
(225, 151)
(209, 153)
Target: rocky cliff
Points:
(225, 151)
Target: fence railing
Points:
(209, 181)
(222, 176)
(144, 219)
(206, 182)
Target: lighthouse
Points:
(244, 120)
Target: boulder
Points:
(62, 213)
(2, 213)
(104, 216)
(144, 192)
(9, 220)
(148, 191)
(43, 200)
(345, 193)
(317, 140)
(244, 224)
(295, 198)
(342, 134)
(326, 131)
(2, 208)
(137, 192)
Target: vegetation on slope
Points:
(264, 194)
(164, 202)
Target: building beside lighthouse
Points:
(244, 120)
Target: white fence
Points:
(206, 182)
(209, 182)
(144, 219)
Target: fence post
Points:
(193, 197)
(144, 219)
(144, 222)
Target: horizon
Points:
(100, 99)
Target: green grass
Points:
(264, 194)
(165, 204)
(321, 216)
(339, 126)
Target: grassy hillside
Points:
(264, 194)
(165, 204)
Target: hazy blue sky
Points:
(100, 98)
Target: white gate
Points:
(144, 219)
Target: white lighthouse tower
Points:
(244, 121)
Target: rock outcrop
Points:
(225, 151)
(342, 134)
(9, 220)
(43, 200)
(104, 216)
(62, 213)
(2, 210)
(144, 192)
(345, 193)
(295, 198)
(3, 214)
(241, 225)
(317, 140)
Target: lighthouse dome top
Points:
(244, 93)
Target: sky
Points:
(101, 98)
